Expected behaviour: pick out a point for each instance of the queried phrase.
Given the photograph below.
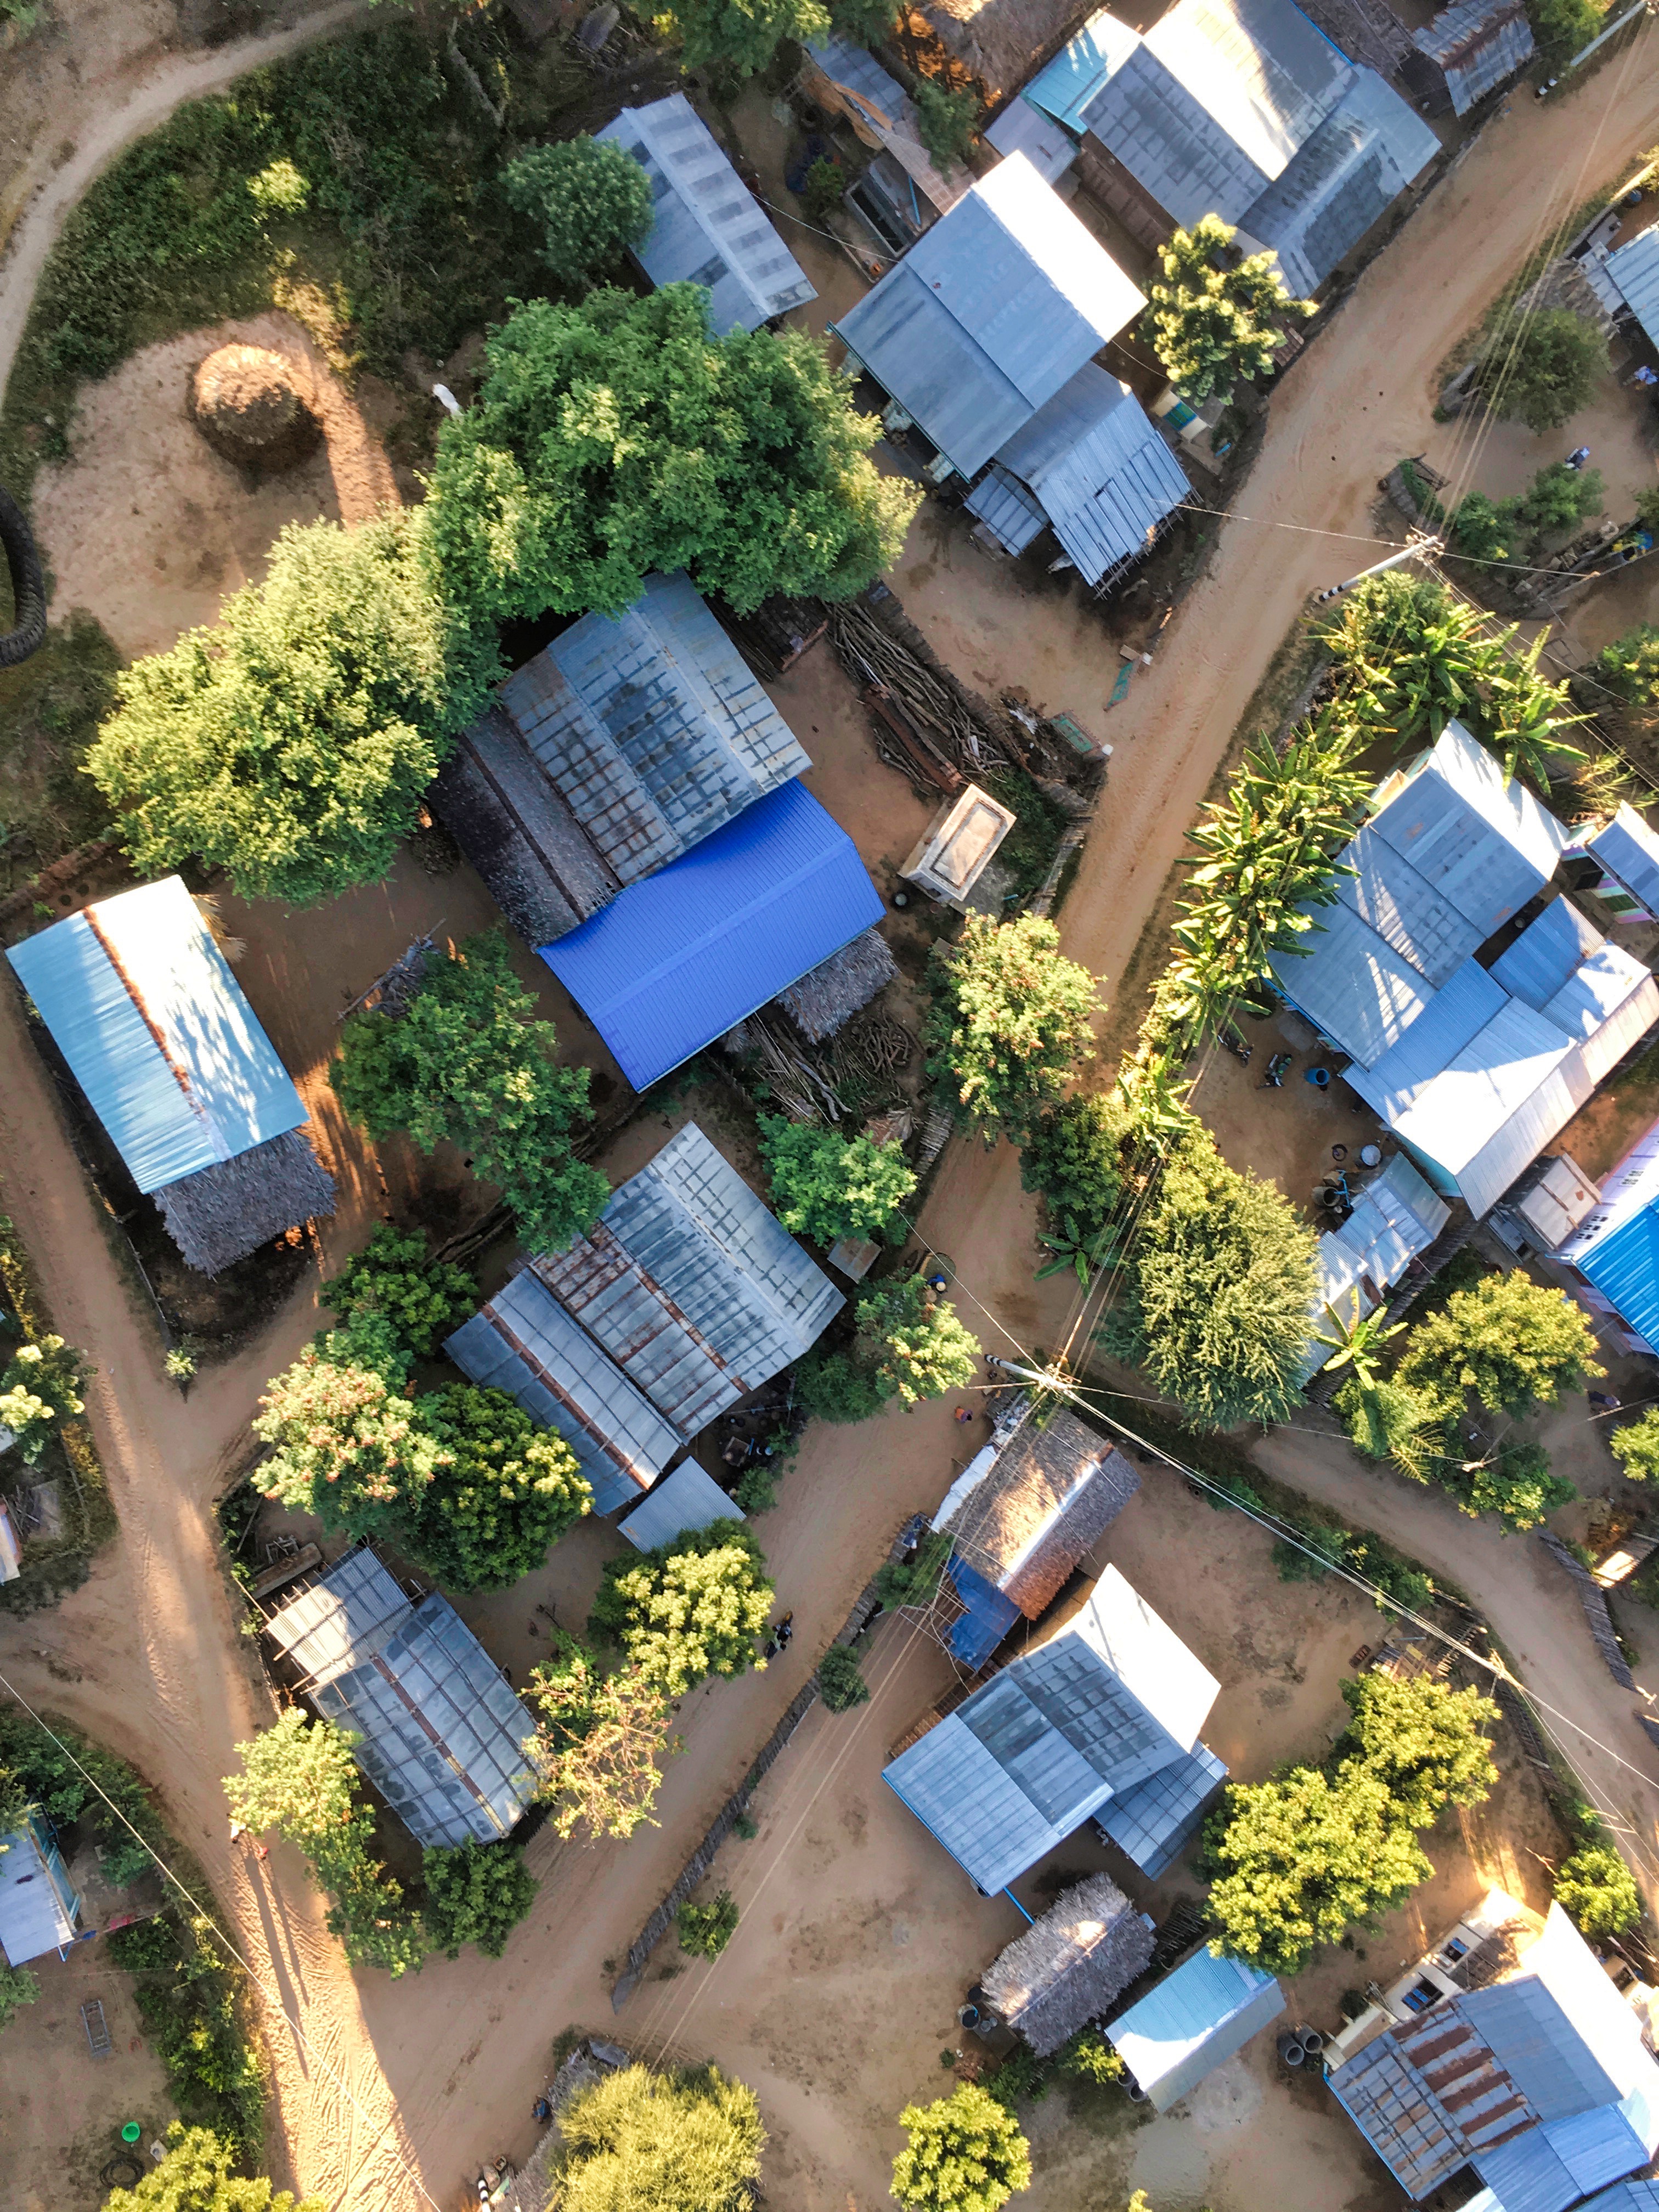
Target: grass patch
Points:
(49, 710)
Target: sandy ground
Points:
(379, 2084)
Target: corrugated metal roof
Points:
(679, 958)
(331, 1625)
(1483, 843)
(989, 313)
(39, 1903)
(708, 227)
(1195, 2020)
(1063, 88)
(157, 1033)
(1404, 908)
(1152, 1823)
(689, 1498)
(1625, 847)
(652, 728)
(443, 1735)
(1146, 1655)
(1634, 268)
(1471, 999)
(1544, 956)
(525, 1343)
(1477, 44)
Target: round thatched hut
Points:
(247, 407)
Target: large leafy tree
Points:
(689, 1609)
(1542, 366)
(1215, 317)
(197, 2174)
(622, 436)
(1008, 1019)
(476, 1894)
(1597, 1891)
(682, 2141)
(1217, 1291)
(965, 2154)
(291, 743)
(467, 1063)
(346, 1444)
(1423, 1741)
(1511, 1341)
(502, 1489)
(826, 1186)
(589, 199)
(599, 1741)
(417, 1297)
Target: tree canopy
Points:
(688, 2141)
(599, 1742)
(620, 436)
(196, 2174)
(291, 743)
(502, 1489)
(1541, 366)
(965, 2154)
(589, 198)
(1511, 1341)
(1216, 317)
(689, 1609)
(1008, 1020)
(825, 1186)
(467, 1062)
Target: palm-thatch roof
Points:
(1069, 1966)
(833, 992)
(221, 1214)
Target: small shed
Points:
(959, 845)
(1070, 1965)
(708, 227)
(1193, 2021)
(687, 1499)
(1477, 46)
(39, 1906)
(173, 1061)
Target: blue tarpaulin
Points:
(676, 960)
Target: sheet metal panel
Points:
(1152, 1823)
(676, 961)
(1404, 908)
(157, 1033)
(1634, 268)
(1195, 2020)
(1485, 843)
(1547, 953)
(1625, 847)
(708, 227)
(689, 1498)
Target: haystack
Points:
(245, 405)
(1069, 1966)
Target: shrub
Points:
(825, 1186)
(706, 1929)
(965, 2154)
(1007, 1021)
(840, 1679)
(1540, 367)
(502, 1489)
(197, 2174)
(686, 2138)
(590, 201)
(419, 1298)
(1596, 1889)
(476, 1894)
(689, 1609)
(599, 1742)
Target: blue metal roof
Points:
(988, 1614)
(708, 227)
(157, 1033)
(1634, 268)
(1195, 2018)
(1625, 847)
(676, 960)
(1152, 1823)
(689, 1498)
(1624, 1265)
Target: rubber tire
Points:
(28, 585)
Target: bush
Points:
(502, 1491)
(476, 1894)
(1596, 1889)
(661, 2141)
(1007, 1021)
(689, 1609)
(965, 2154)
(419, 1298)
(1542, 368)
(825, 1186)
(197, 2174)
(840, 1679)
(706, 1929)
(590, 201)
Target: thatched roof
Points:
(221, 1214)
(833, 992)
(1068, 1966)
(1046, 1502)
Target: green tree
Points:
(1215, 318)
(291, 743)
(18, 1988)
(419, 1298)
(689, 1609)
(826, 1186)
(911, 1341)
(467, 1063)
(1541, 366)
(1423, 1741)
(42, 1385)
(1296, 1861)
(476, 1894)
(197, 2174)
(1512, 1341)
(841, 1679)
(589, 199)
(705, 1931)
(620, 437)
(1563, 29)
(502, 1489)
(965, 2154)
(599, 1743)
(1073, 1155)
(1217, 1292)
(1007, 1021)
(683, 2142)
(1635, 1447)
(1596, 1891)
(945, 122)
(346, 1444)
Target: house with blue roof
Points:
(1240, 108)
(687, 1294)
(1479, 1009)
(1106, 1703)
(984, 338)
(142, 1004)
(632, 801)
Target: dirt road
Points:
(389, 2081)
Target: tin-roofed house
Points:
(40, 1905)
(1070, 1964)
(686, 1295)
(1240, 108)
(707, 226)
(632, 803)
(443, 1736)
(1108, 1698)
(173, 1061)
